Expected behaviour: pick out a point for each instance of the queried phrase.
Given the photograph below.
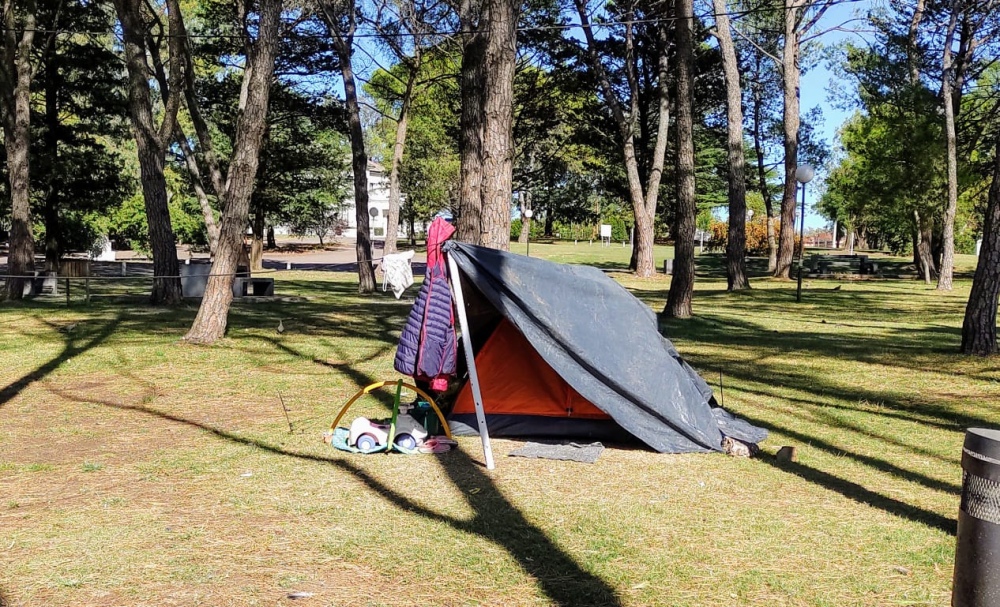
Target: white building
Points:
(378, 205)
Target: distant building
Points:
(378, 199)
(820, 239)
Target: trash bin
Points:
(977, 552)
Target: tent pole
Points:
(470, 359)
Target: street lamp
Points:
(527, 239)
(803, 174)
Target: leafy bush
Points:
(756, 235)
(575, 231)
(537, 229)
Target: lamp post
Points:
(803, 174)
(527, 240)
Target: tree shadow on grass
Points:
(78, 339)
(856, 492)
(872, 462)
(495, 519)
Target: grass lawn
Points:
(136, 470)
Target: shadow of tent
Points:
(495, 519)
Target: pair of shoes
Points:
(436, 445)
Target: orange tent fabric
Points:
(515, 380)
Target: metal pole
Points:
(470, 359)
(802, 244)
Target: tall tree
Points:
(468, 213)
(760, 32)
(79, 109)
(408, 28)
(341, 19)
(500, 24)
(979, 329)
(736, 270)
(152, 140)
(682, 282)
(974, 27)
(627, 121)
(951, 152)
(801, 16)
(210, 323)
(15, 104)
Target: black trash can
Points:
(977, 553)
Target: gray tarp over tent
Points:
(605, 344)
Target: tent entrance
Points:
(516, 381)
(524, 397)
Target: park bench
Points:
(249, 286)
(827, 265)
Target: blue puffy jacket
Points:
(427, 348)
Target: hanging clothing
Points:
(396, 272)
(427, 347)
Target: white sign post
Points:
(605, 235)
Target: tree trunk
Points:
(271, 242)
(210, 324)
(53, 244)
(946, 268)
(765, 192)
(359, 164)
(790, 79)
(548, 223)
(736, 263)
(16, 101)
(468, 216)
(341, 22)
(500, 22)
(643, 203)
(682, 283)
(392, 221)
(199, 189)
(979, 330)
(150, 145)
(925, 246)
(257, 243)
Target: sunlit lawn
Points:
(135, 470)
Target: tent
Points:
(562, 350)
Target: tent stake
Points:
(470, 359)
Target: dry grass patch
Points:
(136, 470)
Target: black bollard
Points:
(977, 554)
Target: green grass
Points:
(136, 469)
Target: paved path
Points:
(340, 259)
